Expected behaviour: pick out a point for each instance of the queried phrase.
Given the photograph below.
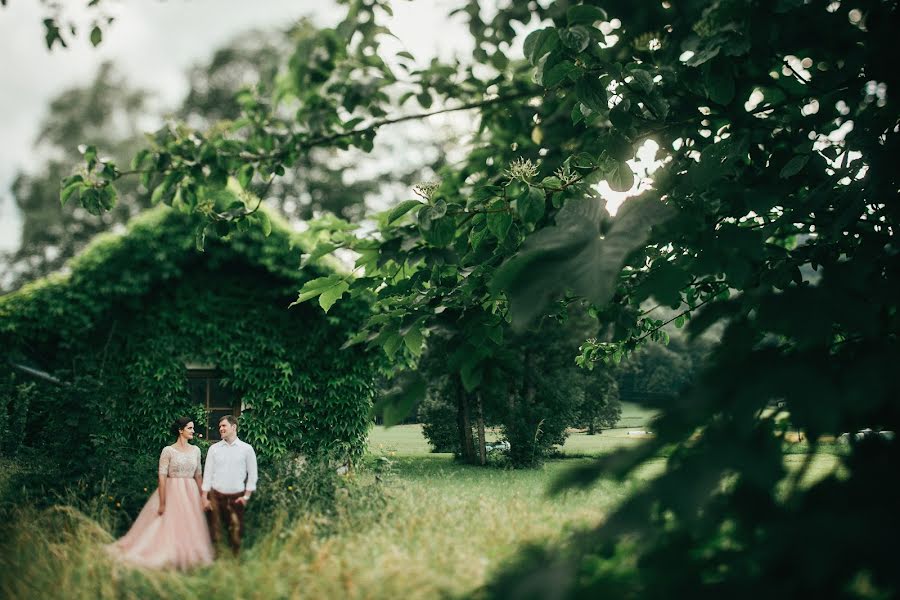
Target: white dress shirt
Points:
(230, 468)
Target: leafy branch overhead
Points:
(576, 254)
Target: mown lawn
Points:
(407, 440)
(445, 529)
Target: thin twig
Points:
(686, 312)
(377, 124)
(262, 195)
(796, 74)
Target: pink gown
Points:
(179, 537)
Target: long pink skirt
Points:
(178, 538)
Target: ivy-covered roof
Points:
(157, 248)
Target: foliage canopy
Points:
(773, 208)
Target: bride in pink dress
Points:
(171, 530)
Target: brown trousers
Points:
(227, 513)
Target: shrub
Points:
(601, 408)
(438, 415)
(321, 489)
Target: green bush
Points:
(438, 416)
(536, 391)
(531, 391)
(16, 397)
(320, 489)
(601, 408)
(136, 308)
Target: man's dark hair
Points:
(230, 418)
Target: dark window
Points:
(205, 388)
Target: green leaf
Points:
(66, 193)
(658, 105)
(618, 148)
(245, 175)
(619, 116)
(643, 80)
(159, 192)
(664, 282)
(317, 287)
(401, 209)
(200, 237)
(591, 92)
(719, 159)
(585, 14)
(477, 235)
(438, 210)
(558, 73)
(531, 205)
(333, 294)
(51, 34)
(424, 99)
(440, 233)
(540, 42)
(90, 154)
(391, 343)
(266, 224)
(423, 218)
(577, 115)
(551, 183)
(576, 37)
(413, 340)
(139, 158)
(498, 222)
(574, 255)
(223, 228)
(109, 196)
(794, 166)
(583, 160)
(322, 248)
(96, 36)
(621, 177)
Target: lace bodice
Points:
(175, 463)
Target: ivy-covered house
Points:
(143, 327)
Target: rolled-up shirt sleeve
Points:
(208, 471)
(251, 470)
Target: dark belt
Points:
(224, 495)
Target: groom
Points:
(229, 480)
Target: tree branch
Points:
(377, 124)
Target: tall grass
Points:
(444, 530)
(438, 530)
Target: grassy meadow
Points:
(443, 530)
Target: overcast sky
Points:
(153, 42)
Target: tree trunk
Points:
(480, 417)
(591, 429)
(464, 424)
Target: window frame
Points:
(209, 375)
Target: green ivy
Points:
(118, 329)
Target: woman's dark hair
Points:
(179, 424)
